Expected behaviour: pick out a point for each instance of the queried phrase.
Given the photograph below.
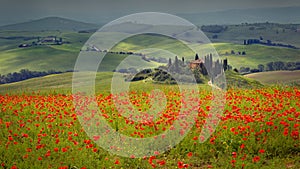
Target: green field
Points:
(279, 33)
(63, 57)
(45, 124)
(276, 77)
(44, 58)
(41, 128)
(256, 54)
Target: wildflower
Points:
(117, 162)
(64, 149)
(180, 164)
(233, 154)
(242, 146)
(56, 149)
(256, 159)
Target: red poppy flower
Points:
(117, 162)
(262, 151)
(256, 159)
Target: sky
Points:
(13, 11)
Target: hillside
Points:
(277, 33)
(39, 58)
(62, 83)
(50, 24)
(255, 54)
(277, 77)
(63, 57)
(58, 82)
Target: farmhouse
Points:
(196, 63)
(24, 45)
(48, 39)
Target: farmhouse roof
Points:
(198, 61)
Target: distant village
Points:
(49, 40)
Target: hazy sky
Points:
(12, 11)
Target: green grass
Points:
(256, 54)
(57, 82)
(62, 83)
(235, 80)
(276, 77)
(44, 58)
(44, 130)
(40, 58)
(45, 105)
(238, 33)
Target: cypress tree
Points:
(196, 57)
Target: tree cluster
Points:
(267, 42)
(25, 74)
(178, 70)
(213, 28)
(272, 66)
(232, 52)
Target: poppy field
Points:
(259, 128)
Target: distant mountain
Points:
(237, 16)
(51, 23)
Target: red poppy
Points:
(14, 167)
(190, 154)
(242, 146)
(233, 154)
(64, 149)
(256, 159)
(117, 162)
(182, 165)
(56, 149)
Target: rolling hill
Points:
(63, 57)
(51, 24)
(62, 83)
(276, 77)
(277, 33)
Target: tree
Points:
(225, 64)
(176, 64)
(261, 38)
(244, 69)
(196, 57)
(254, 70)
(198, 76)
(182, 60)
(279, 65)
(215, 36)
(270, 66)
(170, 62)
(261, 67)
